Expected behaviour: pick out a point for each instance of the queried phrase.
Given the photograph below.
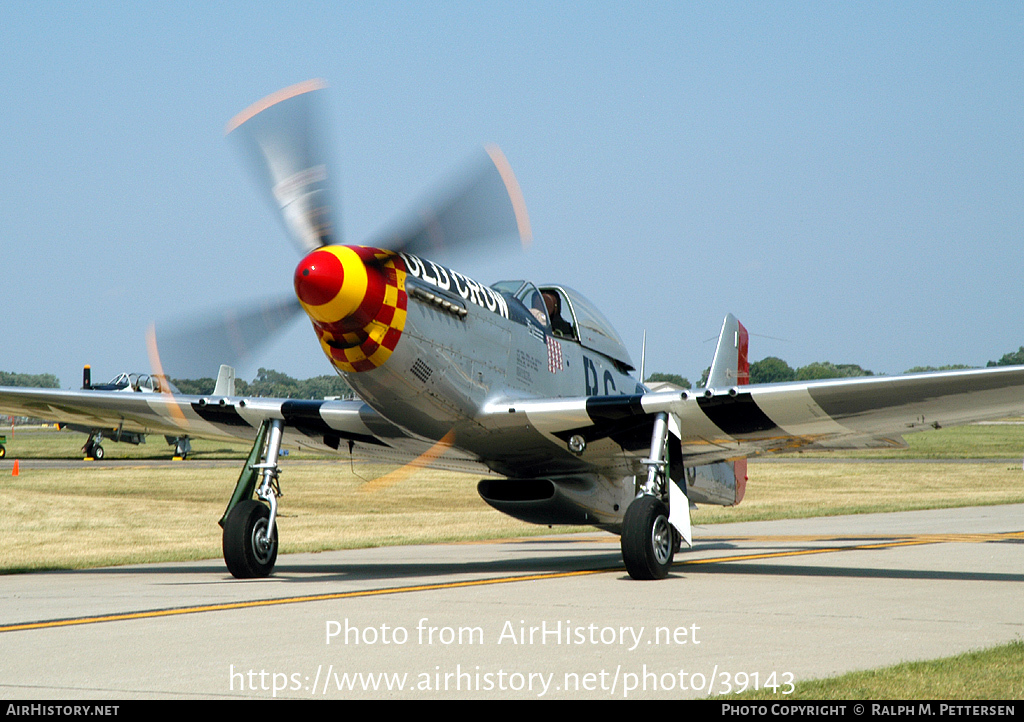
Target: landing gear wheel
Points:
(97, 452)
(648, 540)
(247, 551)
(182, 448)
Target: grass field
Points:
(995, 440)
(56, 518)
(988, 674)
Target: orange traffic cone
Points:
(14, 471)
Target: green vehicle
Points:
(3, 451)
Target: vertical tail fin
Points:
(730, 367)
(225, 381)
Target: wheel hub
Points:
(661, 540)
(262, 545)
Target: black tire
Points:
(3, 451)
(648, 540)
(245, 557)
(97, 452)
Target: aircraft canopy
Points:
(573, 317)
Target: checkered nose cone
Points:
(355, 297)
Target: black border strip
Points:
(737, 415)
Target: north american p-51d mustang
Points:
(528, 384)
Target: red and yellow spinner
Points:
(355, 297)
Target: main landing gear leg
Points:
(649, 540)
(250, 527)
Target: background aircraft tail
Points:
(225, 381)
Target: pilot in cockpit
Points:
(559, 326)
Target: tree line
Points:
(274, 384)
(772, 369)
(43, 381)
(267, 383)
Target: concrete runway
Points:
(552, 617)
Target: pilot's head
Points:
(553, 302)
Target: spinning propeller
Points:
(479, 208)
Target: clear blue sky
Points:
(847, 178)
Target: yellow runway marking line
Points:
(885, 542)
(928, 538)
(801, 552)
(287, 600)
(888, 542)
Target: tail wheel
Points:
(648, 541)
(248, 551)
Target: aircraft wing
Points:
(714, 425)
(348, 427)
(143, 413)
